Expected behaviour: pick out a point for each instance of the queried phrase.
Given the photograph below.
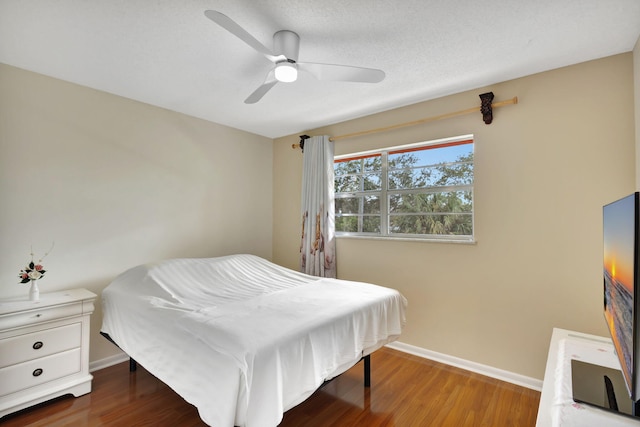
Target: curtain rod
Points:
(513, 100)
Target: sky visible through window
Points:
(439, 155)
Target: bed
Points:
(244, 339)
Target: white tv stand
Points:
(557, 408)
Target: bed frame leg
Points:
(367, 370)
(133, 365)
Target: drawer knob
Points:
(37, 345)
(37, 372)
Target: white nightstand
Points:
(44, 348)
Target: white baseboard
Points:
(478, 368)
(108, 361)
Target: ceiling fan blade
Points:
(230, 25)
(257, 94)
(345, 73)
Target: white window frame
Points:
(383, 195)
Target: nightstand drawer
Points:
(38, 371)
(26, 347)
(38, 315)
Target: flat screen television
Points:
(621, 276)
(614, 389)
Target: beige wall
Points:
(543, 170)
(116, 183)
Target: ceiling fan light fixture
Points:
(286, 72)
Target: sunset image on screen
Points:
(619, 263)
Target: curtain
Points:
(318, 246)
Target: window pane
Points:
(347, 184)
(372, 182)
(453, 174)
(351, 205)
(358, 165)
(353, 183)
(372, 163)
(453, 201)
(371, 205)
(438, 224)
(430, 156)
(445, 174)
(347, 205)
(347, 224)
(409, 178)
(346, 167)
(371, 224)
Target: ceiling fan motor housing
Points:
(286, 43)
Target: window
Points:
(420, 190)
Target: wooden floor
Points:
(405, 391)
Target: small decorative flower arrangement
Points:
(33, 272)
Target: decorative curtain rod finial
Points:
(485, 107)
(301, 143)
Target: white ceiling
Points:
(167, 53)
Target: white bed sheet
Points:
(244, 339)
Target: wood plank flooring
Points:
(406, 391)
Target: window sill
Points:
(410, 239)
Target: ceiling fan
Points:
(286, 45)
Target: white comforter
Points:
(244, 339)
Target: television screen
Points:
(620, 275)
